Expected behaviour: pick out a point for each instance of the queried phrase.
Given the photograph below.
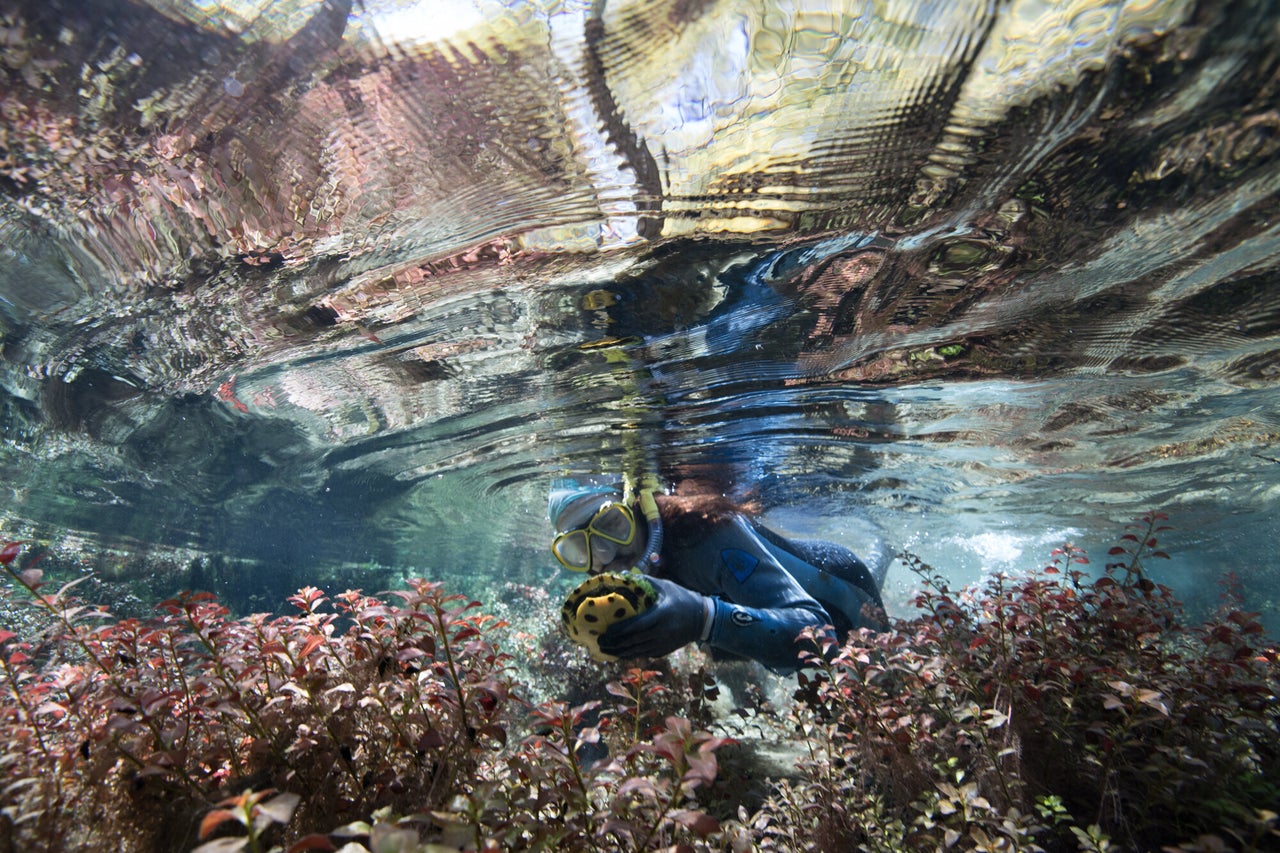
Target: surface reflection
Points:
(336, 281)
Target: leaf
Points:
(70, 585)
(1153, 699)
(313, 642)
(713, 743)
(432, 739)
(215, 819)
(223, 845)
(18, 786)
(497, 732)
(619, 690)
(638, 785)
(10, 550)
(53, 708)
(311, 842)
(352, 830)
(665, 746)
(280, 808)
(995, 718)
(391, 839)
(702, 769)
(156, 770)
(700, 822)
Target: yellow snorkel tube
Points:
(604, 599)
(649, 509)
(638, 488)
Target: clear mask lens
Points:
(612, 527)
(573, 550)
(615, 523)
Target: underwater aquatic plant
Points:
(149, 722)
(1051, 711)
(356, 708)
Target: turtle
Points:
(599, 601)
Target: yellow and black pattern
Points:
(600, 601)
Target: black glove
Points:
(676, 620)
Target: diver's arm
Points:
(682, 616)
(760, 609)
(768, 635)
(729, 591)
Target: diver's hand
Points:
(676, 620)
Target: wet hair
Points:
(687, 514)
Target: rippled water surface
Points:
(340, 284)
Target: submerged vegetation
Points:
(1056, 710)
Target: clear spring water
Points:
(329, 284)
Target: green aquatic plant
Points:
(1055, 710)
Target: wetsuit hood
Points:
(573, 500)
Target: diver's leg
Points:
(830, 557)
(839, 561)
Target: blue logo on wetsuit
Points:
(740, 563)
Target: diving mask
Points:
(613, 526)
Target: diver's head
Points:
(597, 529)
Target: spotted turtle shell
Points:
(599, 601)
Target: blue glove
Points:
(676, 620)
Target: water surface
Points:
(327, 284)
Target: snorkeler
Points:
(712, 574)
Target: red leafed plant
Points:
(393, 709)
(1055, 710)
(596, 778)
(151, 721)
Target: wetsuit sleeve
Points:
(768, 635)
(760, 609)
